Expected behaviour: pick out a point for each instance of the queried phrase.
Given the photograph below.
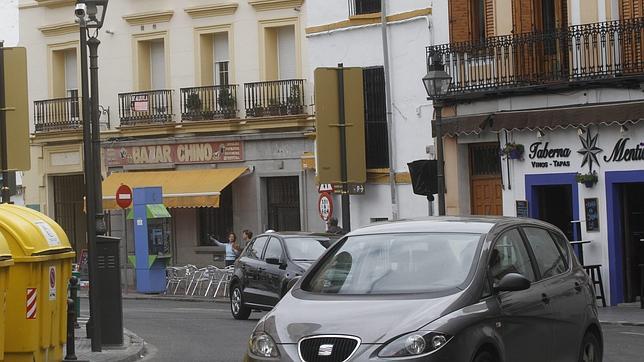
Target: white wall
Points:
(9, 22)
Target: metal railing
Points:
(274, 98)
(577, 53)
(360, 7)
(209, 102)
(58, 114)
(145, 107)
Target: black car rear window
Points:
(299, 248)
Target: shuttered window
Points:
(459, 21)
(489, 19)
(631, 9)
(375, 118)
(523, 16)
(471, 20)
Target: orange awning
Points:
(185, 188)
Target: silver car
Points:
(443, 289)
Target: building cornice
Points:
(59, 29)
(206, 11)
(151, 17)
(368, 19)
(47, 3)
(265, 5)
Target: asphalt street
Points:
(198, 331)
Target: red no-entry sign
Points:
(124, 196)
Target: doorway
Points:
(485, 179)
(283, 201)
(632, 200)
(69, 213)
(554, 204)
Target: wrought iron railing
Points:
(360, 7)
(210, 102)
(145, 107)
(57, 114)
(274, 98)
(582, 52)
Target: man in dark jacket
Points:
(333, 228)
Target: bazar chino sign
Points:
(181, 153)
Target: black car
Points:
(268, 265)
(444, 289)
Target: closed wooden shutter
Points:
(459, 21)
(489, 19)
(522, 16)
(631, 9)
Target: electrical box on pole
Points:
(16, 109)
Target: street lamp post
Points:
(90, 15)
(437, 83)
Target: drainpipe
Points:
(390, 129)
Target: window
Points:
(255, 250)
(221, 58)
(305, 248)
(273, 250)
(64, 73)
(359, 7)
(157, 64)
(280, 53)
(375, 109)
(216, 221)
(509, 255)
(150, 60)
(478, 20)
(549, 258)
(563, 245)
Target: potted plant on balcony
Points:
(193, 105)
(227, 102)
(512, 151)
(276, 107)
(294, 100)
(588, 179)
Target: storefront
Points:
(583, 165)
(216, 185)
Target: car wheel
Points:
(591, 350)
(484, 356)
(237, 307)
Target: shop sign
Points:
(544, 156)
(182, 153)
(623, 153)
(592, 216)
(140, 103)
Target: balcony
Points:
(146, 107)
(590, 53)
(208, 103)
(274, 98)
(59, 114)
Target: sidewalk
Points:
(132, 295)
(624, 314)
(133, 348)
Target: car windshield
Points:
(305, 248)
(396, 263)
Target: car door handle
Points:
(578, 287)
(545, 299)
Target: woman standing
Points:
(232, 249)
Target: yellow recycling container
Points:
(5, 263)
(36, 318)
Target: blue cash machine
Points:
(151, 239)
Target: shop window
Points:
(360, 7)
(375, 117)
(216, 221)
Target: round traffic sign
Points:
(325, 206)
(124, 196)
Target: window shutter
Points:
(631, 9)
(459, 21)
(489, 19)
(522, 16)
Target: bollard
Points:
(71, 339)
(73, 295)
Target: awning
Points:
(152, 211)
(185, 188)
(549, 118)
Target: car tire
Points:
(485, 356)
(237, 306)
(591, 350)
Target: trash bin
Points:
(37, 288)
(5, 262)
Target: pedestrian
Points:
(333, 228)
(232, 248)
(247, 236)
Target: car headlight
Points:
(262, 345)
(415, 344)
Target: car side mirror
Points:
(512, 282)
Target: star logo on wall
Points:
(589, 150)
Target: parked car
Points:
(442, 289)
(268, 265)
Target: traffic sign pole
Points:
(124, 200)
(346, 209)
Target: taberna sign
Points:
(621, 152)
(544, 156)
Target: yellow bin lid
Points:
(31, 233)
(5, 252)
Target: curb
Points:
(139, 351)
(171, 298)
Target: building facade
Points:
(208, 100)
(544, 121)
(351, 33)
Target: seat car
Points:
(440, 289)
(268, 265)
